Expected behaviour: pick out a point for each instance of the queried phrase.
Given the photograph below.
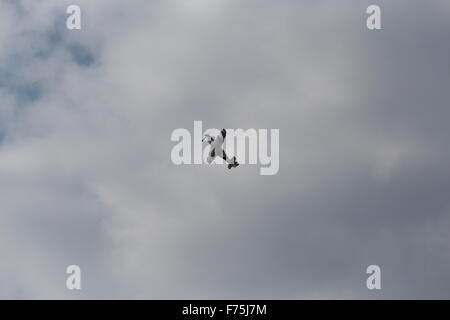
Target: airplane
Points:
(217, 150)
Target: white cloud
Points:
(85, 167)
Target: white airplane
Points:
(217, 150)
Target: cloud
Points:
(85, 170)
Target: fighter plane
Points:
(217, 150)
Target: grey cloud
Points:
(86, 176)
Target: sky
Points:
(86, 176)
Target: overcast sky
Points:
(86, 176)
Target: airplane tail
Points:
(234, 164)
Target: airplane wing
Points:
(207, 138)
